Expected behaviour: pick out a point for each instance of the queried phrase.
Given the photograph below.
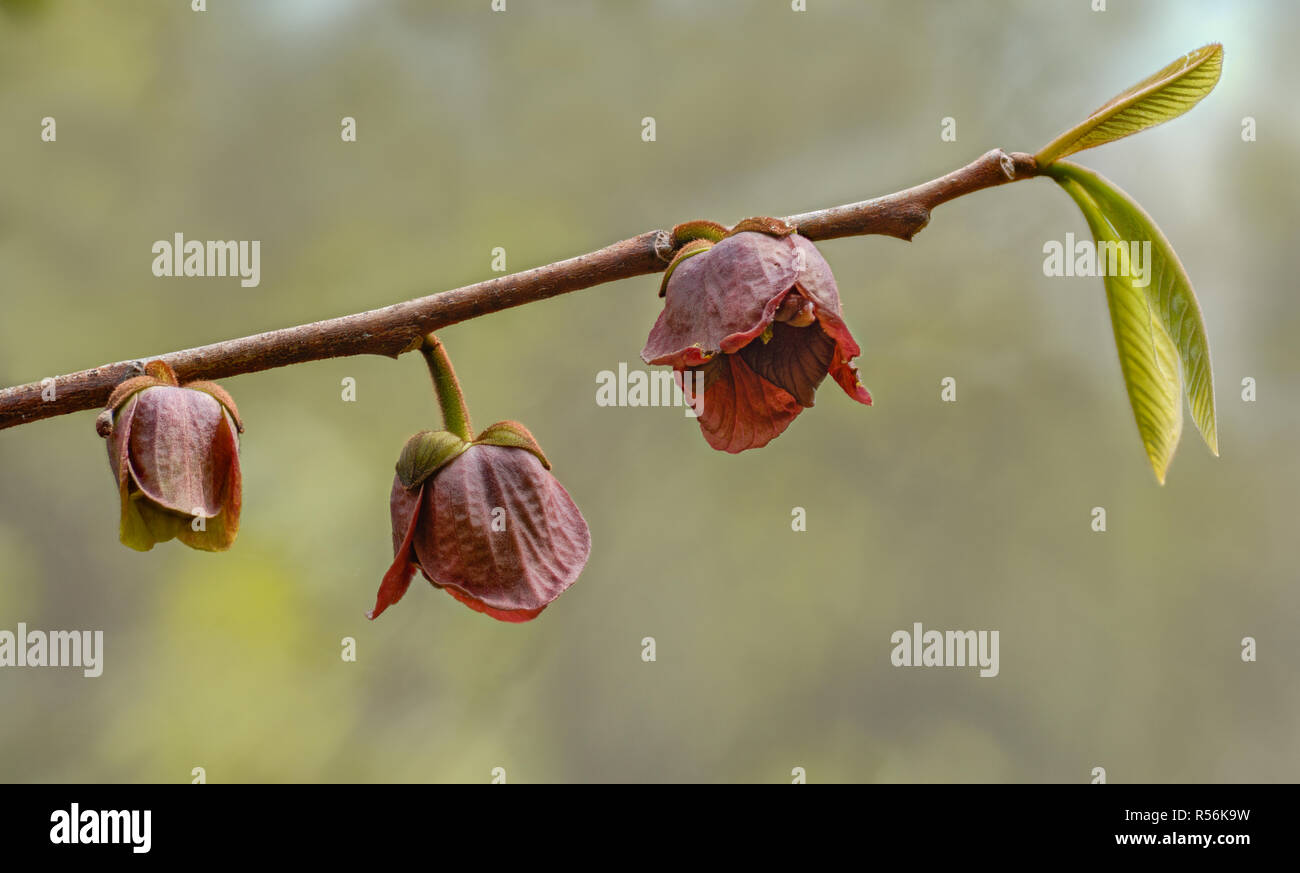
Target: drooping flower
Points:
(175, 452)
(482, 518)
(755, 310)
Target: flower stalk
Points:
(451, 400)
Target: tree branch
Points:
(399, 328)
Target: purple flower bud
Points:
(175, 452)
(484, 520)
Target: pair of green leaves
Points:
(1158, 328)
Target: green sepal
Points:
(694, 247)
(689, 231)
(763, 224)
(133, 531)
(426, 453)
(513, 435)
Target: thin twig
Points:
(399, 328)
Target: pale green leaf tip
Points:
(1160, 472)
(1207, 58)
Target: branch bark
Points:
(399, 328)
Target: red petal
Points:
(740, 409)
(846, 376)
(818, 284)
(842, 369)
(404, 505)
(515, 616)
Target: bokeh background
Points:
(523, 130)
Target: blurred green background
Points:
(523, 130)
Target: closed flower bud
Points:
(175, 452)
(482, 518)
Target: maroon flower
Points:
(482, 518)
(175, 453)
(493, 527)
(756, 311)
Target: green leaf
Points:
(1156, 99)
(1159, 332)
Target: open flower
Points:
(175, 453)
(482, 518)
(756, 310)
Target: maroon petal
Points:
(172, 435)
(134, 530)
(222, 396)
(404, 506)
(740, 409)
(719, 300)
(220, 529)
(500, 530)
(119, 441)
(795, 359)
(818, 284)
(815, 279)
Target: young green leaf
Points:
(1154, 313)
(1146, 355)
(1169, 293)
(1156, 99)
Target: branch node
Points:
(664, 246)
(1008, 164)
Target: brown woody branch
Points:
(395, 329)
